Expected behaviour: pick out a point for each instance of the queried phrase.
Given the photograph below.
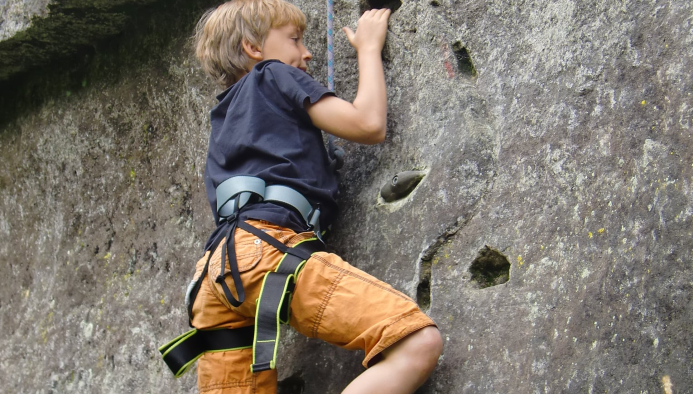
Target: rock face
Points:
(35, 32)
(550, 237)
(17, 14)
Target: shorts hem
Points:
(410, 330)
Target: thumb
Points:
(349, 34)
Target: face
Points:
(286, 44)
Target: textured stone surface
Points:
(16, 15)
(566, 148)
(35, 33)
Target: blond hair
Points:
(220, 33)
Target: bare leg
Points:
(405, 365)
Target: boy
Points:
(266, 128)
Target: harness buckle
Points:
(314, 223)
(232, 218)
(314, 218)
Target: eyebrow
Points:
(296, 30)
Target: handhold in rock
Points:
(401, 185)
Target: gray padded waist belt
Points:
(240, 189)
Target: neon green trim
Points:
(176, 341)
(279, 307)
(277, 321)
(257, 313)
(299, 268)
(229, 349)
(289, 279)
(282, 260)
(182, 338)
(187, 365)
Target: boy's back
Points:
(261, 128)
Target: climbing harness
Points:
(277, 287)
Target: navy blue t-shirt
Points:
(261, 128)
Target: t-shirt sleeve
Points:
(296, 85)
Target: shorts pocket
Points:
(254, 258)
(248, 254)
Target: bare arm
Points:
(365, 119)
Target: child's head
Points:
(221, 31)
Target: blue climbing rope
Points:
(336, 153)
(330, 48)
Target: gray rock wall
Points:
(555, 135)
(34, 33)
(16, 15)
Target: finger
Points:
(349, 33)
(378, 14)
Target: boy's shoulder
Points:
(283, 86)
(272, 64)
(293, 83)
(265, 71)
(278, 70)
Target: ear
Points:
(252, 51)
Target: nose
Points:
(306, 54)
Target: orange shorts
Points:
(329, 293)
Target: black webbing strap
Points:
(273, 306)
(180, 353)
(303, 251)
(228, 250)
(192, 294)
(275, 297)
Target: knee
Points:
(427, 346)
(431, 341)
